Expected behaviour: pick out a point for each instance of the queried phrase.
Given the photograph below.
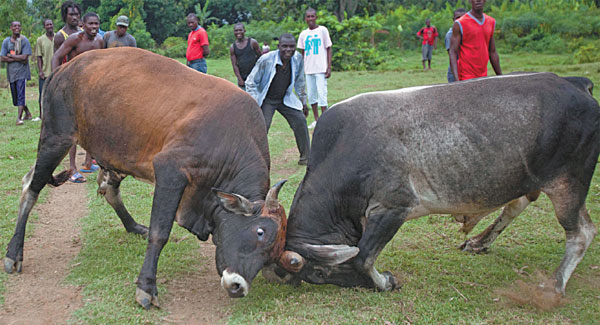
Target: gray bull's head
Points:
(251, 235)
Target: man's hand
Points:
(241, 83)
(305, 110)
(328, 73)
(42, 75)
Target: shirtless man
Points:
(76, 44)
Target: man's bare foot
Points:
(19, 122)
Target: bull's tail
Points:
(46, 83)
(60, 178)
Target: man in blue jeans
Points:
(16, 51)
(197, 49)
(272, 82)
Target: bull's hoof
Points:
(473, 246)
(139, 230)
(11, 265)
(145, 299)
(391, 282)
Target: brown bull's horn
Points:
(291, 261)
(271, 201)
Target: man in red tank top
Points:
(472, 44)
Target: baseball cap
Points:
(122, 21)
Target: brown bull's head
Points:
(249, 236)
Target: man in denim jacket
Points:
(272, 82)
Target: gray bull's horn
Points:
(291, 261)
(333, 254)
(271, 201)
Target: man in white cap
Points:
(120, 36)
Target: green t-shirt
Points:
(44, 47)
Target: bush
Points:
(587, 54)
(173, 47)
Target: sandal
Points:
(92, 169)
(19, 122)
(77, 178)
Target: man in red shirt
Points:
(472, 44)
(429, 36)
(197, 48)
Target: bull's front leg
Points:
(382, 224)
(170, 184)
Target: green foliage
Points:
(204, 15)
(173, 47)
(587, 54)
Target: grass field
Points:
(440, 283)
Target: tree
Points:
(204, 17)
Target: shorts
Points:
(17, 90)
(198, 65)
(316, 89)
(427, 51)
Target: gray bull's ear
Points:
(333, 254)
(234, 203)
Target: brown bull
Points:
(151, 117)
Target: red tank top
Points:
(474, 49)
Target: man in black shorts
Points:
(244, 52)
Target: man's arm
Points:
(40, 64)
(105, 38)
(4, 55)
(58, 40)
(435, 37)
(300, 85)
(256, 47)
(328, 71)
(494, 57)
(455, 41)
(254, 79)
(236, 70)
(419, 34)
(66, 48)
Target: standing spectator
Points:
(472, 44)
(16, 51)
(197, 48)
(74, 45)
(265, 48)
(243, 52)
(315, 44)
(71, 14)
(120, 36)
(44, 48)
(429, 36)
(272, 83)
(457, 14)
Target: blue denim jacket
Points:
(259, 80)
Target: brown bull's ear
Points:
(234, 203)
(333, 254)
(291, 261)
(271, 201)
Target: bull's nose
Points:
(234, 284)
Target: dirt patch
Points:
(197, 297)
(39, 295)
(539, 294)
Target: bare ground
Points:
(39, 295)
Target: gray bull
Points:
(380, 159)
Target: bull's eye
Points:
(260, 232)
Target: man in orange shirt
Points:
(197, 48)
(429, 36)
(472, 44)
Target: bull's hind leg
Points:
(568, 198)
(481, 243)
(50, 154)
(108, 186)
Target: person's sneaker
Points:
(36, 119)
(303, 161)
(312, 125)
